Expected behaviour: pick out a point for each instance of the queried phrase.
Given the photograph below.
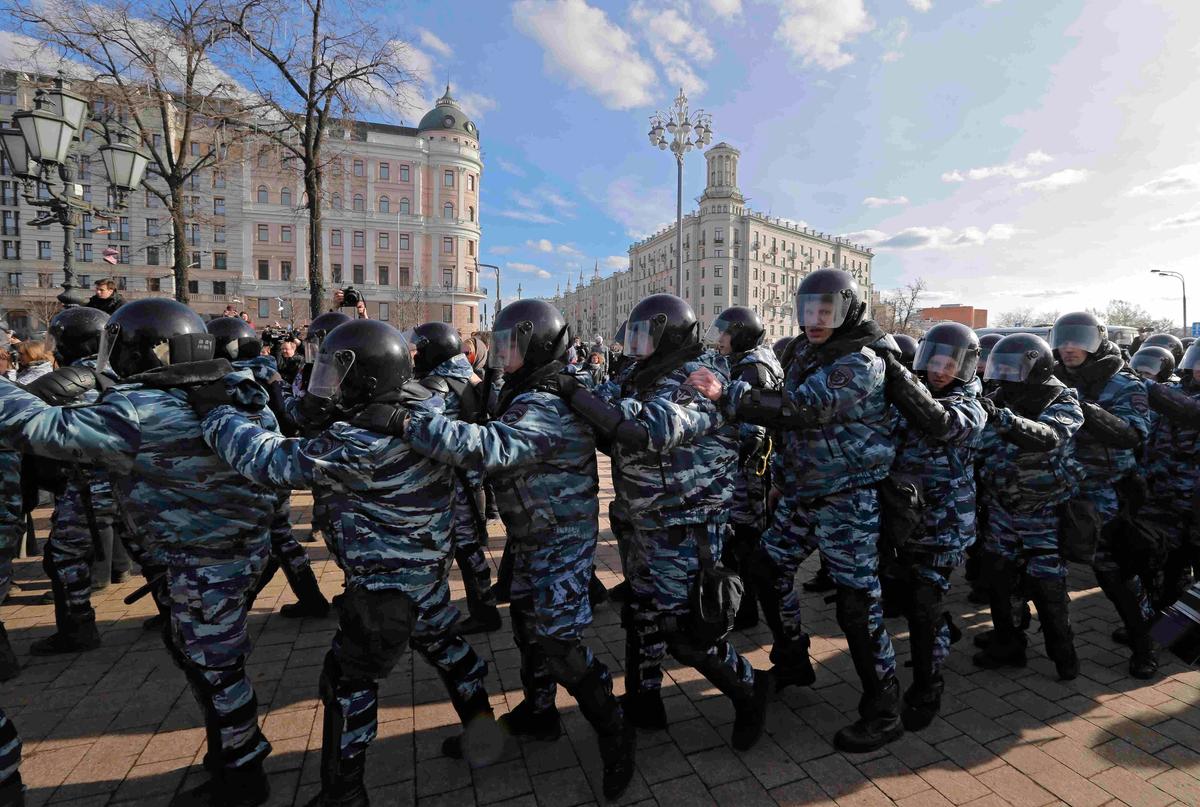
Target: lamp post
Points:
(1183, 285)
(496, 268)
(38, 147)
(676, 131)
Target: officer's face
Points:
(940, 371)
(1072, 356)
(725, 344)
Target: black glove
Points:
(204, 398)
(568, 385)
(989, 407)
(315, 410)
(892, 366)
(63, 386)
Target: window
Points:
(470, 182)
(717, 291)
(448, 210)
(359, 202)
(360, 274)
(385, 171)
(448, 180)
(404, 276)
(264, 308)
(14, 280)
(122, 230)
(385, 205)
(193, 234)
(336, 202)
(285, 197)
(264, 270)
(285, 234)
(221, 261)
(151, 200)
(153, 284)
(84, 253)
(385, 275)
(12, 250)
(264, 232)
(447, 314)
(448, 278)
(219, 287)
(44, 253)
(218, 179)
(285, 270)
(193, 287)
(384, 312)
(470, 247)
(403, 242)
(336, 272)
(152, 256)
(45, 280)
(218, 233)
(735, 292)
(470, 314)
(359, 238)
(86, 193)
(218, 206)
(447, 246)
(385, 241)
(471, 213)
(263, 195)
(404, 173)
(404, 206)
(360, 168)
(8, 193)
(194, 263)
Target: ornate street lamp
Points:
(38, 147)
(684, 131)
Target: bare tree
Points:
(149, 66)
(903, 304)
(44, 308)
(1123, 312)
(1024, 317)
(322, 63)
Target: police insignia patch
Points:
(1064, 418)
(320, 446)
(514, 413)
(839, 378)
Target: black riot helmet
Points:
(661, 323)
(1169, 341)
(908, 348)
(949, 347)
(620, 337)
(1189, 365)
(74, 334)
(150, 333)
(1153, 362)
(1187, 342)
(829, 298)
(434, 342)
(1078, 329)
(526, 335)
(780, 346)
(235, 337)
(321, 325)
(986, 343)
(360, 361)
(744, 327)
(1022, 358)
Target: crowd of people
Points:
(897, 460)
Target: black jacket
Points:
(107, 306)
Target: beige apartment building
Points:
(401, 223)
(731, 256)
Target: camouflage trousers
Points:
(374, 627)
(1108, 561)
(923, 568)
(844, 528)
(550, 609)
(10, 748)
(12, 519)
(287, 550)
(207, 638)
(661, 566)
(468, 550)
(70, 550)
(1029, 539)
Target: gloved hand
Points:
(63, 386)
(568, 385)
(315, 410)
(989, 407)
(204, 398)
(892, 367)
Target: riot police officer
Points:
(1169, 342)
(385, 512)
(1154, 363)
(1028, 471)
(1115, 422)
(205, 523)
(908, 350)
(934, 475)
(737, 334)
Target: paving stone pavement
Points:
(118, 726)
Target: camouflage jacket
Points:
(457, 367)
(1123, 395)
(12, 509)
(174, 493)
(1172, 453)
(385, 510)
(945, 467)
(758, 368)
(539, 457)
(1024, 481)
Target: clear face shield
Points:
(934, 358)
(720, 335)
(821, 310)
(328, 373)
(312, 347)
(1081, 337)
(640, 340)
(1191, 358)
(1150, 364)
(1008, 366)
(507, 352)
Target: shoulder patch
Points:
(839, 378)
(514, 413)
(321, 445)
(1064, 418)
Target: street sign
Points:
(1196, 329)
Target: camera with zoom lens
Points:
(351, 297)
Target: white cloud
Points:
(892, 56)
(431, 40)
(528, 268)
(867, 238)
(878, 201)
(1184, 179)
(20, 52)
(588, 50)
(509, 167)
(816, 30)
(641, 210)
(530, 216)
(1014, 170)
(1190, 219)
(527, 202)
(725, 8)
(615, 262)
(932, 237)
(1059, 179)
(501, 250)
(420, 64)
(541, 245)
(476, 105)
(676, 42)
(921, 5)
(557, 201)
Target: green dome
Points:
(448, 116)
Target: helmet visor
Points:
(508, 348)
(108, 340)
(1083, 337)
(821, 310)
(328, 373)
(312, 348)
(642, 339)
(1008, 366)
(719, 327)
(956, 360)
(1149, 363)
(1191, 358)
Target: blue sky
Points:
(1012, 153)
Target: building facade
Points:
(956, 312)
(401, 223)
(731, 256)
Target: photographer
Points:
(350, 297)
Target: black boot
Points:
(523, 721)
(246, 786)
(481, 741)
(1005, 645)
(618, 754)
(1050, 598)
(792, 666)
(878, 723)
(645, 710)
(76, 634)
(12, 791)
(751, 713)
(342, 782)
(597, 593)
(594, 695)
(310, 601)
(10, 668)
(924, 698)
(1123, 592)
(482, 619)
(156, 622)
